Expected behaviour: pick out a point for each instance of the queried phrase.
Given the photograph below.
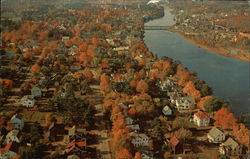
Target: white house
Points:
(185, 103)
(28, 101)
(139, 140)
(12, 136)
(201, 119)
(128, 120)
(147, 155)
(230, 147)
(215, 135)
(165, 85)
(36, 92)
(17, 122)
(134, 127)
(167, 111)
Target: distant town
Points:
(78, 82)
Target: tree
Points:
(225, 119)
(142, 86)
(132, 111)
(43, 35)
(83, 47)
(242, 134)
(202, 101)
(183, 134)
(88, 75)
(35, 68)
(190, 90)
(138, 155)
(213, 104)
(123, 154)
(104, 82)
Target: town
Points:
(220, 26)
(77, 81)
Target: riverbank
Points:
(221, 51)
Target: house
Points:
(75, 134)
(167, 111)
(76, 148)
(215, 135)
(65, 38)
(134, 127)
(175, 145)
(123, 106)
(129, 120)
(230, 148)
(147, 155)
(185, 103)
(28, 101)
(201, 119)
(36, 92)
(73, 157)
(10, 151)
(12, 136)
(53, 131)
(165, 85)
(17, 122)
(139, 140)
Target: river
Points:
(229, 77)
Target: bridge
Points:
(156, 27)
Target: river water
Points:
(229, 77)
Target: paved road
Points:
(103, 140)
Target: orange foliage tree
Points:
(43, 35)
(104, 82)
(142, 86)
(83, 47)
(132, 111)
(242, 134)
(87, 74)
(190, 90)
(200, 104)
(35, 68)
(123, 154)
(225, 119)
(138, 155)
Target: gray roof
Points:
(214, 132)
(231, 143)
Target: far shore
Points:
(220, 51)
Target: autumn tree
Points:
(142, 86)
(43, 35)
(242, 134)
(202, 101)
(190, 90)
(104, 82)
(88, 75)
(123, 154)
(225, 119)
(138, 155)
(35, 68)
(83, 47)
(183, 134)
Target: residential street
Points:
(103, 141)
